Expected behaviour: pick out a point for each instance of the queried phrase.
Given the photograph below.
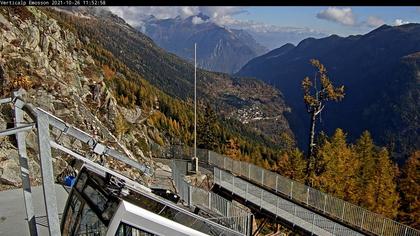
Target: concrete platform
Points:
(12, 210)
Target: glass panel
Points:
(95, 197)
(72, 212)
(89, 224)
(81, 182)
(128, 230)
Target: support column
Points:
(47, 173)
(24, 168)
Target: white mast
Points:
(195, 159)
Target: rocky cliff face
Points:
(62, 78)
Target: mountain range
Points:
(218, 48)
(255, 104)
(380, 73)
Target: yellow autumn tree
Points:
(336, 167)
(383, 197)
(121, 126)
(409, 186)
(315, 95)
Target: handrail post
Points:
(190, 203)
(291, 190)
(277, 180)
(24, 167)
(313, 222)
(48, 187)
(325, 201)
(383, 226)
(342, 214)
(262, 177)
(363, 219)
(307, 195)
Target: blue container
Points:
(69, 180)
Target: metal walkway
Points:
(279, 207)
(337, 210)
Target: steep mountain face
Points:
(60, 75)
(380, 75)
(231, 97)
(218, 49)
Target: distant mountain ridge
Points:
(381, 83)
(231, 97)
(219, 49)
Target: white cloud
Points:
(374, 21)
(197, 20)
(340, 15)
(224, 16)
(399, 22)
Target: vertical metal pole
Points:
(24, 168)
(189, 195)
(307, 196)
(313, 222)
(195, 158)
(249, 171)
(291, 190)
(363, 219)
(342, 214)
(233, 183)
(262, 177)
(325, 201)
(277, 180)
(210, 198)
(47, 173)
(383, 226)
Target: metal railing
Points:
(342, 211)
(233, 216)
(287, 210)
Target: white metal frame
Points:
(140, 218)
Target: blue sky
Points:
(307, 17)
(272, 27)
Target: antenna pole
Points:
(195, 159)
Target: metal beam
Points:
(16, 130)
(47, 173)
(24, 167)
(94, 144)
(5, 100)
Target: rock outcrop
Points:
(61, 77)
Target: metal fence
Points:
(283, 208)
(326, 204)
(233, 216)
